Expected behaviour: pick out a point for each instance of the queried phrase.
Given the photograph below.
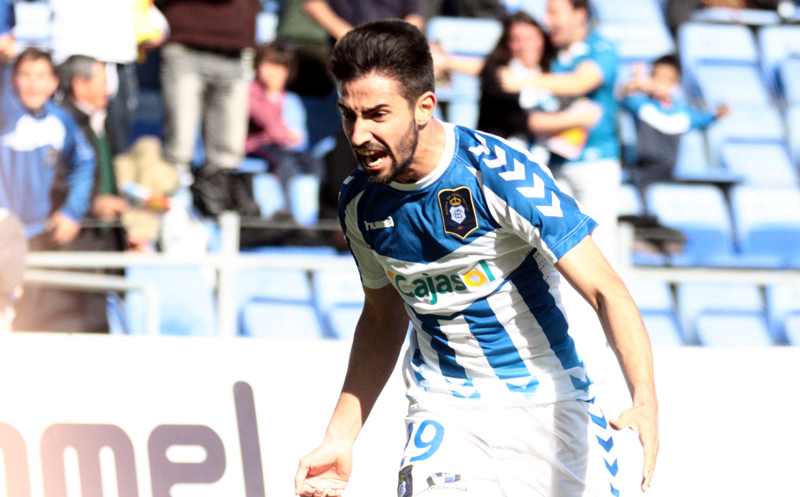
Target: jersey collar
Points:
(447, 158)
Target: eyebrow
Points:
(367, 111)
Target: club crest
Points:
(458, 212)
(405, 482)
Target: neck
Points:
(430, 149)
(580, 34)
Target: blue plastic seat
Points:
(629, 201)
(692, 156)
(777, 44)
(464, 36)
(792, 330)
(695, 299)
(647, 12)
(790, 80)
(186, 300)
(280, 320)
(767, 220)
(651, 296)
(783, 300)
(33, 24)
(662, 328)
(732, 330)
(700, 212)
(339, 297)
(268, 194)
(714, 43)
(640, 41)
(759, 163)
(793, 124)
(716, 84)
(762, 124)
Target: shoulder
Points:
(600, 44)
(62, 115)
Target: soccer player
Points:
(467, 237)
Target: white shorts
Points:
(559, 450)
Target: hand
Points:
(62, 228)
(643, 420)
(7, 49)
(324, 472)
(109, 207)
(722, 111)
(510, 81)
(153, 43)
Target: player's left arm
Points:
(594, 278)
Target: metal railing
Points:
(46, 268)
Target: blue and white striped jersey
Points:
(470, 248)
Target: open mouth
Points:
(372, 158)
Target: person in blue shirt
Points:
(466, 237)
(585, 66)
(46, 163)
(661, 117)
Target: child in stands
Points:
(662, 117)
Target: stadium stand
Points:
(732, 330)
(763, 124)
(767, 221)
(783, 306)
(721, 299)
(655, 302)
(339, 297)
(692, 157)
(640, 12)
(793, 124)
(700, 212)
(793, 330)
(778, 44)
(186, 300)
(759, 163)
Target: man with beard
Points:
(467, 237)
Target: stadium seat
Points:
(339, 298)
(767, 220)
(639, 42)
(732, 330)
(759, 163)
(627, 136)
(663, 329)
(749, 17)
(716, 85)
(777, 44)
(266, 27)
(647, 12)
(790, 80)
(284, 321)
(651, 296)
(793, 123)
(692, 156)
(464, 36)
(186, 300)
(33, 24)
(700, 212)
(268, 194)
(695, 299)
(745, 124)
(792, 330)
(783, 300)
(629, 201)
(536, 8)
(714, 43)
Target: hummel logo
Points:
(377, 225)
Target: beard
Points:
(401, 160)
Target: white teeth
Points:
(376, 162)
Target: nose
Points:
(360, 133)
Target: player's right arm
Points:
(378, 339)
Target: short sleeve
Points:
(525, 199)
(372, 273)
(604, 55)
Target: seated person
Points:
(269, 136)
(48, 166)
(662, 117)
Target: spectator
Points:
(205, 69)
(524, 49)
(105, 31)
(85, 87)
(338, 17)
(13, 247)
(662, 117)
(584, 66)
(49, 165)
(269, 136)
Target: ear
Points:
(426, 104)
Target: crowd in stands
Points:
(131, 125)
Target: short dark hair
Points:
(580, 4)
(669, 60)
(76, 66)
(395, 49)
(278, 52)
(31, 54)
